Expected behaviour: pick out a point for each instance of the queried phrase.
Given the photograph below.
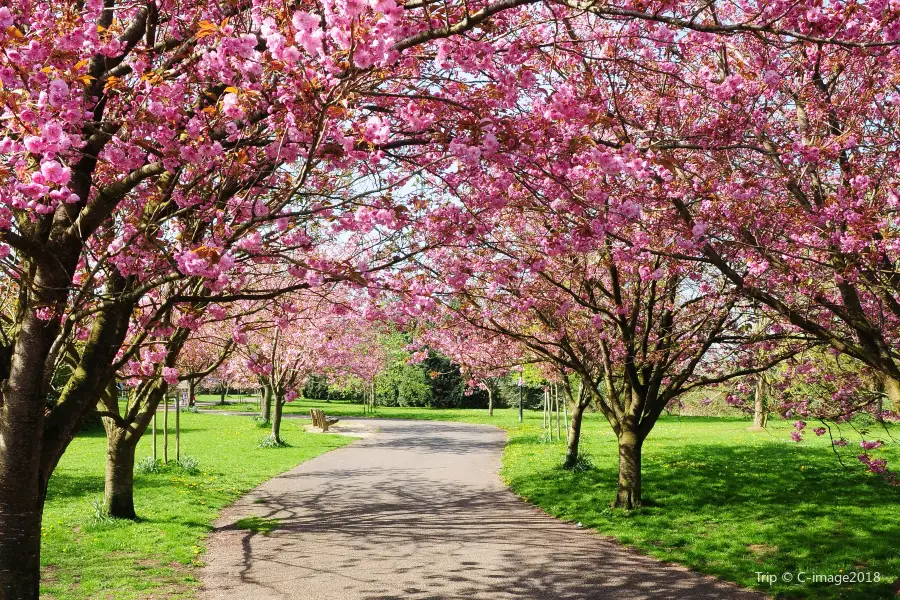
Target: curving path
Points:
(416, 511)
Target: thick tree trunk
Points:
(21, 509)
(267, 404)
(276, 418)
(22, 481)
(628, 494)
(20, 547)
(892, 391)
(119, 494)
(760, 412)
(574, 435)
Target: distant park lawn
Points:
(86, 557)
(721, 499)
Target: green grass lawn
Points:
(86, 557)
(728, 502)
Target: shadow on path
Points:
(417, 511)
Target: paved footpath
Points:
(416, 511)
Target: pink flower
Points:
(377, 130)
(55, 172)
(170, 375)
(819, 431)
(230, 106)
(629, 210)
(649, 275)
(866, 445)
(34, 144)
(52, 132)
(5, 18)
(875, 465)
(841, 442)
(757, 267)
(795, 435)
(799, 425)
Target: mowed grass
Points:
(729, 502)
(158, 556)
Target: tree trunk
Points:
(574, 436)
(267, 404)
(276, 419)
(21, 509)
(892, 391)
(760, 412)
(119, 494)
(192, 399)
(22, 482)
(490, 400)
(628, 494)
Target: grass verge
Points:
(87, 556)
(729, 502)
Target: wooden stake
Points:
(177, 427)
(166, 430)
(154, 436)
(556, 398)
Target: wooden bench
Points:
(320, 420)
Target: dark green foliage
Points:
(532, 396)
(316, 388)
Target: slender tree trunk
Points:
(276, 418)
(574, 435)
(760, 412)
(119, 494)
(490, 400)
(267, 404)
(192, 399)
(628, 494)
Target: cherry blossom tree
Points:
(155, 136)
